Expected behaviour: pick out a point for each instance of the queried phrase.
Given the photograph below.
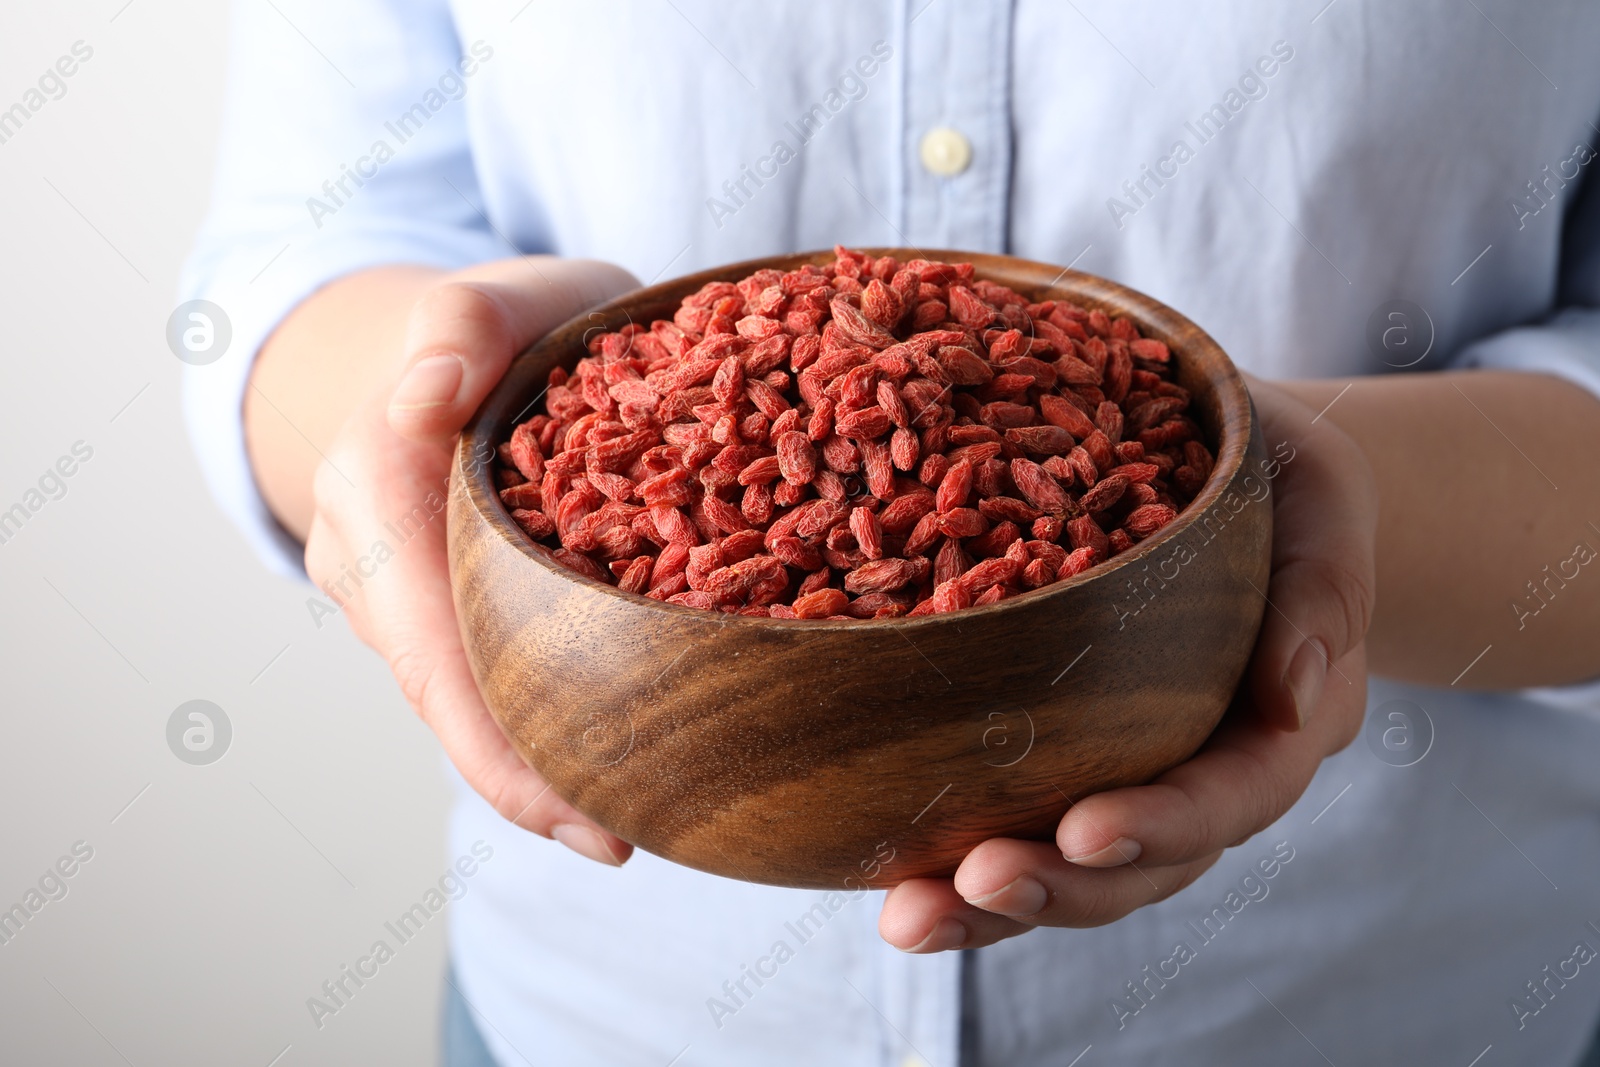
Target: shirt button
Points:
(945, 152)
(916, 1061)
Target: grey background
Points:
(205, 917)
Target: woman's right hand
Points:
(392, 457)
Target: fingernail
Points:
(585, 842)
(431, 383)
(1022, 896)
(1305, 676)
(1122, 850)
(945, 935)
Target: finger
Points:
(1029, 882)
(399, 601)
(927, 915)
(446, 697)
(428, 661)
(322, 551)
(1240, 783)
(324, 554)
(441, 688)
(1320, 597)
(463, 334)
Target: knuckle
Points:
(319, 559)
(1183, 877)
(327, 488)
(343, 482)
(1098, 902)
(510, 802)
(1353, 594)
(1187, 830)
(1267, 793)
(506, 805)
(1257, 788)
(414, 673)
(1351, 714)
(457, 310)
(1345, 596)
(1194, 827)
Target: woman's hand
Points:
(1303, 700)
(384, 475)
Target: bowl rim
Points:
(1152, 316)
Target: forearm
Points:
(1487, 483)
(330, 352)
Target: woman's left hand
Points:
(1302, 700)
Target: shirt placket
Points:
(920, 1006)
(956, 132)
(956, 177)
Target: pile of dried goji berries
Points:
(866, 439)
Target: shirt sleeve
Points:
(1565, 345)
(344, 146)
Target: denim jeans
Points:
(461, 1043)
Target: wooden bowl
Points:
(843, 755)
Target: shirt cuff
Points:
(1566, 346)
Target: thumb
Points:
(464, 333)
(1320, 597)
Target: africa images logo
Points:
(450, 86)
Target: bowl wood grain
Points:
(841, 755)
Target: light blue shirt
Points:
(1279, 173)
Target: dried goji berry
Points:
(771, 429)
